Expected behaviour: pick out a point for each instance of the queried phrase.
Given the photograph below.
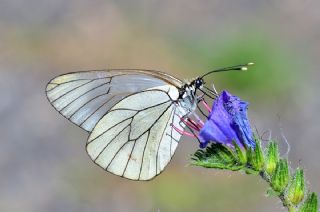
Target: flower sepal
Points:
(296, 189)
(280, 178)
(255, 156)
(272, 157)
(241, 154)
(218, 156)
(311, 203)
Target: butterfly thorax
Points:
(187, 94)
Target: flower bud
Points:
(272, 157)
(311, 204)
(280, 178)
(296, 189)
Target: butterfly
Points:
(129, 115)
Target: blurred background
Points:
(43, 162)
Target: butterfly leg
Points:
(191, 125)
(205, 104)
(183, 132)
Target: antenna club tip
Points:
(245, 67)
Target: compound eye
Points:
(198, 83)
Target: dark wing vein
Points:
(148, 130)
(109, 129)
(144, 149)
(161, 139)
(92, 89)
(73, 89)
(58, 84)
(128, 140)
(110, 142)
(94, 98)
(134, 144)
(148, 137)
(97, 110)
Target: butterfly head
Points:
(190, 88)
(198, 83)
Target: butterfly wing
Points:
(135, 138)
(85, 97)
(129, 114)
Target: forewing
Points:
(135, 139)
(85, 97)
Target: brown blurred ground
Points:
(43, 163)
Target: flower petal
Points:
(227, 122)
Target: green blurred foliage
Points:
(275, 71)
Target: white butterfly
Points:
(129, 115)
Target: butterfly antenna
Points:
(243, 67)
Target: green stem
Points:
(285, 202)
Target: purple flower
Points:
(227, 122)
